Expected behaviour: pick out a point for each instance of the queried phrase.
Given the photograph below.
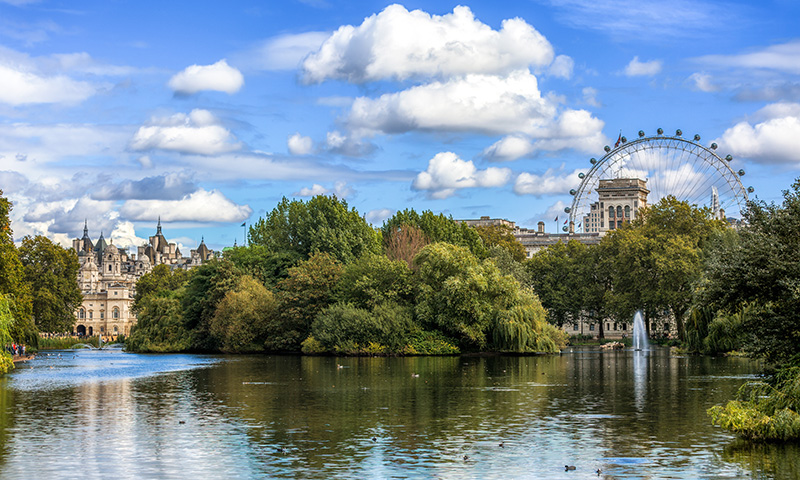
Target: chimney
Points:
(571, 228)
(541, 227)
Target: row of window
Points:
(82, 314)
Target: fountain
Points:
(640, 341)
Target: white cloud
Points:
(341, 144)
(783, 57)
(340, 190)
(284, 52)
(199, 132)
(399, 44)
(299, 145)
(219, 77)
(549, 183)
(199, 206)
(561, 67)
(21, 87)
(447, 173)
(776, 139)
(379, 215)
(703, 82)
(124, 236)
(590, 97)
(477, 103)
(642, 69)
(508, 148)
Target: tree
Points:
(160, 325)
(373, 280)
(403, 243)
(242, 318)
(207, 286)
(262, 263)
(12, 281)
(323, 224)
(761, 266)
(502, 236)
(160, 278)
(52, 273)
(307, 291)
(437, 228)
(556, 275)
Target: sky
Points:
(205, 114)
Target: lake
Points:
(108, 414)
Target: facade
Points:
(619, 201)
(107, 278)
(612, 329)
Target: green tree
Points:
(373, 280)
(436, 228)
(6, 322)
(12, 281)
(308, 290)
(502, 236)
(243, 316)
(323, 224)
(761, 266)
(160, 326)
(556, 275)
(207, 286)
(52, 273)
(267, 266)
(160, 278)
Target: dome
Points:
(112, 250)
(89, 266)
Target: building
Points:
(619, 201)
(107, 278)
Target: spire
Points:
(158, 228)
(86, 227)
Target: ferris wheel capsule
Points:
(581, 175)
(696, 137)
(592, 161)
(641, 133)
(750, 189)
(607, 148)
(624, 140)
(567, 209)
(660, 131)
(572, 191)
(564, 228)
(728, 157)
(678, 133)
(713, 146)
(741, 172)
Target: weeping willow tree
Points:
(6, 321)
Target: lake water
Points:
(108, 414)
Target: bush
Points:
(430, 343)
(343, 328)
(6, 363)
(242, 317)
(160, 327)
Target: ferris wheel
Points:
(671, 165)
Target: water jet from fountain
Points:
(640, 341)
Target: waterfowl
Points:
(569, 467)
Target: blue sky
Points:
(207, 113)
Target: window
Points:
(109, 268)
(102, 329)
(81, 314)
(116, 312)
(615, 325)
(619, 211)
(90, 315)
(624, 326)
(627, 211)
(610, 212)
(116, 329)
(591, 327)
(102, 315)
(608, 326)
(575, 326)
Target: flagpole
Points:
(244, 226)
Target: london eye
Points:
(671, 165)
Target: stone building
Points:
(619, 201)
(107, 278)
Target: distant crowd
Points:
(15, 349)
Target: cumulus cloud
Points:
(22, 87)
(561, 67)
(399, 44)
(199, 206)
(124, 236)
(642, 69)
(379, 215)
(551, 182)
(590, 97)
(299, 145)
(775, 139)
(199, 132)
(342, 144)
(447, 173)
(478, 103)
(340, 190)
(219, 77)
(508, 148)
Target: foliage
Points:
(12, 281)
(502, 236)
(160, 326)
(762, 266)
(207, 286)
(764, 411)
(265, 265)
(556, 274)
(52, 273)
(65, 343)
(323, 224)
(243, 315)
(6, 322)
(160, 278)
(430, 342)
(347, 329)
(307, 291)
(436, 228)
(505, 261)
(373, 280)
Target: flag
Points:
(619, 139)
(579, 225)
(565, 221)
(556, 219)
(243, 224)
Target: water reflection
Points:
(320, 417)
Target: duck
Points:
(569, 467)
(502, 445)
